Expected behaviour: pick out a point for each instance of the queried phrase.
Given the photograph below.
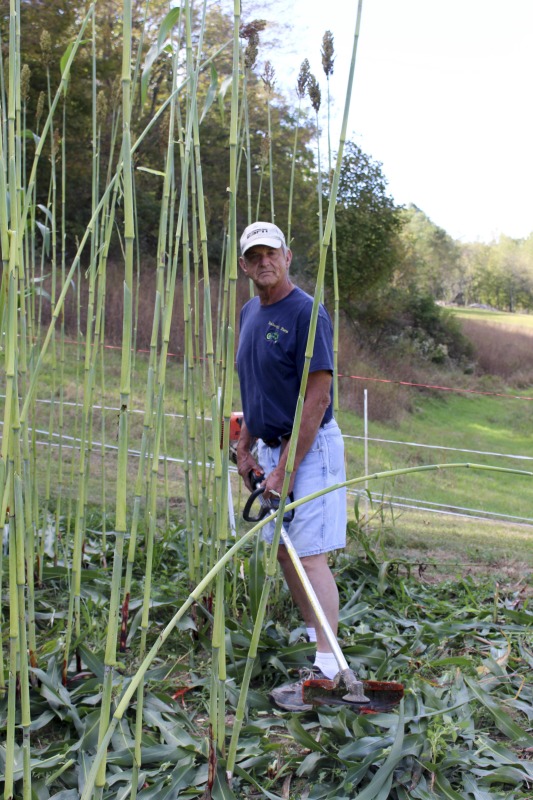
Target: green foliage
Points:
(412, 325)
(368, 223)
(505, 279)
(461, 651)
(498, 274)
(430, 257)
(60, 19)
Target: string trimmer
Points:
(346, 689)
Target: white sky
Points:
(442, 98)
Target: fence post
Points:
(365, 416)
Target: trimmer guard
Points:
(382, 695)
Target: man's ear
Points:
(289, 258)
(242, 265)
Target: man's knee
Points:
(314, 564)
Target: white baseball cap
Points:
(262, 233)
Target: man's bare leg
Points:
(323, 582)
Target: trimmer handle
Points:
(265, 507)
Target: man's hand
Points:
(246, 463)
(274, 483)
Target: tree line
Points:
(390, 259)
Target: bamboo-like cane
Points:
(301, 88)
(219, 657)
(314, 94)
(4, 531)
(327, 65)
(20, 530)
(13, 652)
(125, 389)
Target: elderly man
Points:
(273, 335)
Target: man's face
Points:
(266, 266)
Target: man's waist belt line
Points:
(276, 441)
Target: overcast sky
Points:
(442, 99)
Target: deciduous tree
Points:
(368, 223)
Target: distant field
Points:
(521, 322)
(502, 343)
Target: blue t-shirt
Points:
(270, 360)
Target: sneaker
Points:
(289, 697)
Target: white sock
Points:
(327, 664)
(311, 634)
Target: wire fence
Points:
(64, 441)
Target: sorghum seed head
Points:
(250, 54)
(268, 76)
(46, 48)
(303, 79)
(314, 93)
(252, 29)
(327, 53)
(40, 106)
(265, 150)
(25, 76)
(101, 106)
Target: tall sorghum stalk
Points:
(141, 480)
(251, 33)
(217, 706)
(12, 498)
(328, 59)
(125, 388)
(268, 80)
(50, 211)
(301, 90)
(190, 311)
(321, 271)
(313, 90)
(250, 57)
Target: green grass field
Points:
(454, 429)
(439, 422)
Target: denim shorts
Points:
(320, 524)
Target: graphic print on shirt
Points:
(274, 335)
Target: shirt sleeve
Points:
(323, 347)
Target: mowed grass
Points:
(453, 429)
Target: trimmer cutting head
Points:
(381, 695)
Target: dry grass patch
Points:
(502, 350)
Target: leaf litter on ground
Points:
(463, 652)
